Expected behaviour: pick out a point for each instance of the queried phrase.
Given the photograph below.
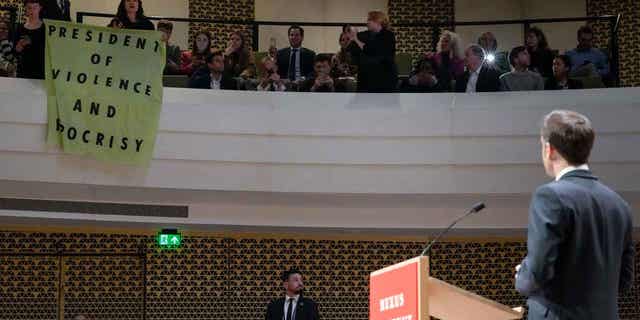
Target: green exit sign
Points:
(169, 239)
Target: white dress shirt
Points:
(473, 80)
(215, 83)
(571, 168)
(293, 309)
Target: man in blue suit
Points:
(580, 250)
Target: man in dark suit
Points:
(479, 76)
(579, 247)
(293, 306)
(57, 10)
(295, 62)
(211, 75)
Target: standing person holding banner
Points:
(131, 14)
(30, 43)
(580, 252)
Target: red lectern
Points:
(405, 291)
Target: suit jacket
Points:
(579, 250)
(488, 80)
(306, 62)
(306, 309)
(53, 11)
(201, 79)
(377, 70)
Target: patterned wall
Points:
(418, 40)
(232, 278)
(242, 10)
(10, 3)
(629, 36)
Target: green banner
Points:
(104, 90)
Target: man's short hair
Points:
(477, 51)
(166, 25)
(565, 59)
(570, 133)
(323, 57)
(209, 57)
(583, 30)
(289, 273)
(295, 26)
(514, 54)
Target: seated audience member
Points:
(295, 62)
(342, 62)
(7, 58)
(479, 76)
(194, 59)
(30, 44)
(521, 78)
(321, 80)
(489, 43)
(57, 10)
(450, 57)
(539, 52)
(238, 58)
(560, 79)
(424, 79)
(585, 55)
(212, 75)
(115, 23)
(374, 52)
(270, 80)
(173, 51)
(131, 14)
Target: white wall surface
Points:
(385, 161)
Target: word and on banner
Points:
(104, 90)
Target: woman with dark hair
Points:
(560, 79)
(30, 43)
(541, 55)
(238, 58)
(131, 14)
(342, 62)
(374, 52)
(194, 59)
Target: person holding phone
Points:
(30, 42)
(270, 80)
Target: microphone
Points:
(475, 209)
